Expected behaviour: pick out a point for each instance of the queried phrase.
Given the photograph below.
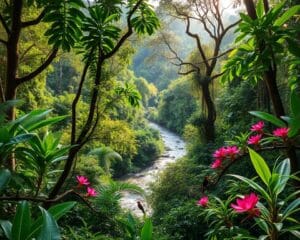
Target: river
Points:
(174, 149)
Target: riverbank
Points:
(174, 149)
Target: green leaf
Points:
(46, 122)
(253, 185)
(268, 117)
(294, 125)
(260, 9)
(278, 226)
(295, 233)
(50, 229)
(56, 211)
(21, 138)
(262, 224)
(295, 103)
(277, 9)
(246, 18)
(283, 169)
(22, 222)
(291, 208)
(293, 46)
(147, 230)
(6, 227)
(287, 15)
(260, 166)
(5, 176)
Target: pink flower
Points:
(258, 127)
(254, 140)
(220, 153)
(216, 164)
(82, 180)
(232, 151)
(91, 192)
(203, 201)
(247, 204)
(281, 132)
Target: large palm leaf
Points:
(106, 156)
(111, 193)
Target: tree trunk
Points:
(13, 56)
(88, 126)
(12, 66)
(209, 126)
(270, 79)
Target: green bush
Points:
(176, 105)
(150, 147)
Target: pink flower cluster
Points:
(247, 204)
(255, 139)
(83, 181)
(203, 201)
(281, 132)
(222, 153)
(258, 128)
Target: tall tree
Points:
(102, 40)
(209, 16)
(95, 27)
(265, 39)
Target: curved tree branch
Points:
(3, 41)
(127, 34)
(39, 69)
(34, 21)
(198, 41)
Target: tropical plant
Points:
(106, 156)
(221, 218)
(268, 29)
(111, 193)
(43, 227)
(101, 40)
(40, 156)
(275, 213)
(21, 130)
(131, 226)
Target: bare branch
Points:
(220, 55)
(26, 51)
(77, 97)
(176, 57)
(34, 21)
(48, 201)
(127, 34)
(217, 75)
(186, 73)
(230, 26)
(88, 137)
(199, 45)
(3, 41)
(39, 69)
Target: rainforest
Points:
(149, 119)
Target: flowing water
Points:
(174, 149)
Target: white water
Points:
(174, 149)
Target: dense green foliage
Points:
(176, 105)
